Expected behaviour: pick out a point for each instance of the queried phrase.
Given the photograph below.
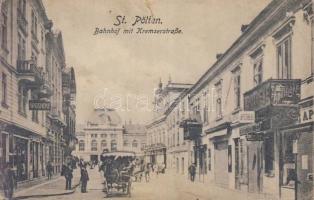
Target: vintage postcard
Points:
(156, 99)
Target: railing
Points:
(21, 21)
(27, 67)
(279, 92)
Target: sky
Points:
(121, 71)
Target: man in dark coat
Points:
(192, 171)
(84, 178)
(68, 177)
(8, 181)
(49, 169)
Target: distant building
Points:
(134, 138)
(104, 130)
(164, 138)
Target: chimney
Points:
(244, 27)
(218, 55)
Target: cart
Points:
(118, 171)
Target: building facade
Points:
(134, 138)
(104, 131)
(29, 137)
(250, 121)
(165, 144)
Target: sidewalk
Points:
(54, 187)
(205, 190)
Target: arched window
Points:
(94, 145)
(103, 144)
(81, 145)
(126, 143)
(113, 145)
(134, 144)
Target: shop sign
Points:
(251, 128)
(254, 137)
(39, 105)
(307, 115)
(244, 117)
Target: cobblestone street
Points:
(163, 186)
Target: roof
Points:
(135, 129)
(104, 116)
(269, 16)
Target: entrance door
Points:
(3, 149)
(221, 164)
(255, 166)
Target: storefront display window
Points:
(20, 158)
(288, 168)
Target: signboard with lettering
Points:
(254, 137)
(307, 114)
(39, 105)
(251, 128)
(244, 117)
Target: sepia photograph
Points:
(156, 99)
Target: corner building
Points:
(254, 104)
(30, 138)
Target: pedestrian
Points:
(8, 181)
(84, 178)
(147, 172)
(49, 169)
(192, 171)
(68, 177)
(163, 168)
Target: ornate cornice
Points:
(308, 12)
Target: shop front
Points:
(296, 150)
(275, 103)
(156, 154)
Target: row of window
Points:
(103, 135)
(103, 144)
(283, 57)
(94, 145)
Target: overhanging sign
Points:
(39, 105)
(254, 137)
(251, 128)
(244, 117)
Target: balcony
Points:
(46, 88)
(273, 92)
(29, 72)
(22, 22)
(55, 116)
(191, 129)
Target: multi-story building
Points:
(69, 107)
(163, 130)
(253, 137)
(134, 138)
(30, 137)
(250, 121)
(103, 130)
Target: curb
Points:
(49, 195)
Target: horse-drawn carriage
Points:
(118, 169)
